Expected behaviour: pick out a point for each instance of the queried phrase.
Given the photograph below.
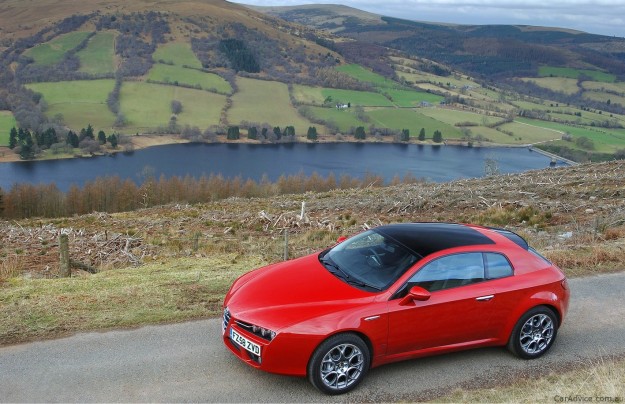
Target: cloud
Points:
(605, 17)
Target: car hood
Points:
(289, 292)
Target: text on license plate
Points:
(244, 342)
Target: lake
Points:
(437, 164)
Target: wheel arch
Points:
(545, 299)
(357, 333)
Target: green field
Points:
(7, 121)
(343, 119)
(191, 77)
(605, 140)
(526, 132)
(414, 121)
(81, 102)
(52, 52)
(599, 86)
(405, 98)
(604, 97)
(360, 73)
(98, 56)
(148, 106)
(559, 84)
(263, 101)
(317, 95)
(452, 117)
(596, 75)
(177, 53)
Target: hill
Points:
(209, 70)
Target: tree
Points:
(312, 133)
(72, 139)
(422, 134)
(277, 132)
(252, 133)
(359, 133)
(13, 138)
(113, 141)
(438, 136)
(289, 131)
(176, 107)
(27, 147)
(233, 133)
(405, 135)
(101, 137)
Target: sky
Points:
(606, 17)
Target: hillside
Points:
(85, 79)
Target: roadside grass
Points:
(414, 121)
(601, 380)
(177, 53)
(80, 102)
(360, 73)
(167, 291)
(262, 101)
(147, 106)
(572, 73)
(560, 84)
(52, 52)
(178, 74)
(7, 121)
(98, 56)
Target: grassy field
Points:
(528, 132)
(317, 95)
(451, 117)
(81, 102)
(177, 74)
(177, 53)
(547, 71)
(414, 121)
(52, 52)
(405, 98)
(343, 119)
(559, 84)
(360, 73)
(7, 121)
(605, 140)
(601, 86)
(98, 57)
(262, 101)
(604, 97)
(148, 106)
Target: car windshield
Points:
(369, 260)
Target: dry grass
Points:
(602, 380)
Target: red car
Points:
(396, 292)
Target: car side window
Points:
(450, 271)
(497, 266)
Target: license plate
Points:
(244, 342)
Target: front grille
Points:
(226, 319)
(250, 328)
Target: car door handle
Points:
(484, 298)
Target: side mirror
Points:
(415, 293)
(341, 239)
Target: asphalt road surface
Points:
(188, 362)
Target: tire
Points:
(534, 333)
(339, 364)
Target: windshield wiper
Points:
(362, 283)
(328, 263)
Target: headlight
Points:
(262, 332)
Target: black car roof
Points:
(427, 238)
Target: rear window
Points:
(537, 254)
(497, 266)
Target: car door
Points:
(458, 310)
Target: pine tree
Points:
(312, 133)
(405, 135)
(422, 134)
(438, 136)
(252, 133)
(13, 138)
(101, 137)
(233, 133)
(360, 133)
(112, 140)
